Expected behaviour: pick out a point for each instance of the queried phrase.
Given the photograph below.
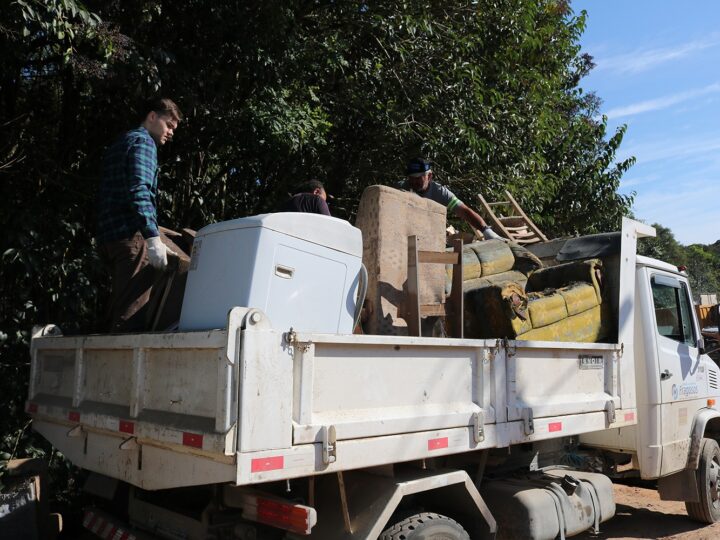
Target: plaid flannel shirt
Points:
(126, 199)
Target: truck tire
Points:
(708, 481)
(425, 526)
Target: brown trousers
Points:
(132, 280)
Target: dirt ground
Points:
(640, 514)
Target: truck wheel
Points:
(425, 526)
(708, 480)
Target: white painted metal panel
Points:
(266, 369)
(146, 466)
(169, 389)
(181, 382)
(107, 376)
(551, 378)
(54, 373)
(367, 387)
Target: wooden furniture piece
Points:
(515, 225)
(453, 308)
(387, 216)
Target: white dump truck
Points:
(255, 429)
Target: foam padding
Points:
(579, 297)
(585, 327)
(546, 309)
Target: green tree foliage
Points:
(663, 247)
(275, 92)
(702, 262)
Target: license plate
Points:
(591, 362)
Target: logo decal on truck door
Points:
(685, 391)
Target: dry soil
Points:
(640, 514)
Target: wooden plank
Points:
(412, 315)
(457, 298)
(437, 257)
(432, 310)
(529, 221)
(495, 223)
(532, 240)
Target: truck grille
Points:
(713, 378)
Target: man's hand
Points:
(489, 234)
(157, 253)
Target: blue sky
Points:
(658, 72)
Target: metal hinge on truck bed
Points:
(478, 426)
(329, 444)
(528, 422)
(610, 412)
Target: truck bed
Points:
(249, 403)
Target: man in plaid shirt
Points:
(128, 233)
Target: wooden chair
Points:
(515, 225)
(453, 307)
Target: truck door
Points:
(676, 339)
(678, 362)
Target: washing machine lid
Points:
(319, 229)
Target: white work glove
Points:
(157, 253)
(489, 234)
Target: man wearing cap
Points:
(420, 180)
(310, 197)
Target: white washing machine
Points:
(301, 269)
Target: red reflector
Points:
(32, 408)
(74, 416)
(436, 444)
(286, 516)
(629, 416)
(192, 439)
(127, 427)
(105, 528)
(554, 426)
(267, 464)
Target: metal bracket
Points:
(528, 423)
(292, 340)
(478, 426)
(610, 412)
(509, 351)
(329, 444)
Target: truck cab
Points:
(677, 388)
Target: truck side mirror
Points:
(708, 345)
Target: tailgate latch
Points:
(610, 412)
(478, 426)
(329, 444)
(528, 421)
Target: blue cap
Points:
(417, 167)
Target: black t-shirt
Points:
(306, 202)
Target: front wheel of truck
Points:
(708, 481)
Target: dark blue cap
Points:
(417, 166)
